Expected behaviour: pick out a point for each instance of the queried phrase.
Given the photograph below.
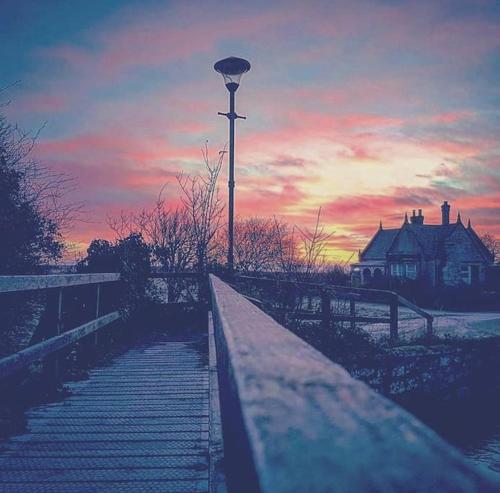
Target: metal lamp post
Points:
(231, 69)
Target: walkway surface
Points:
(137, 425)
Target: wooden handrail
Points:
(336, 287)
(415, 308)
(295, 421)
(9, 284)
(429, 318)
(28, 356)
(175, 275)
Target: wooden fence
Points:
(60, 338)
(289, 291)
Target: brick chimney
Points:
(417, 219)
(445, 213)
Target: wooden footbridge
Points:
(243, 405)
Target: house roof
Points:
(430, 238)
(379, 244)
(480, 244)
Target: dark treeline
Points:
(35, 212)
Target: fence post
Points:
(97, 310)
(394, 318)
(170, 290)
(352, 312)
(54, 363)
(429, 326)
(204, 298)
(326, 311)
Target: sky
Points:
(366, 109)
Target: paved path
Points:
(137, 425)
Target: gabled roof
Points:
(479, 243)
(430, 238)
(379, 244)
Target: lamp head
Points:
(232, 69)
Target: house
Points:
(446, 254)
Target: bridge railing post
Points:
(204, 299)
(352, 312)
(430, 328)
(59, 329)
(97, 310)
(326, 309)
(393, 306)
(55, 306)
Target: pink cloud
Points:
(449, 117)
(123, 146)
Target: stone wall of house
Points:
(459, 248)
(451, 370)
(429, 271)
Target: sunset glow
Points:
(368, 109)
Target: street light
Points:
(232, 69)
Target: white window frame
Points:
(411, 271)
(397, 270)
(467, 278)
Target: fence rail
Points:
(329, 292)
(58, 339)
(30, 355)
(9, 284)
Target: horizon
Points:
(366, 109)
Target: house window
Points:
(465, 274)
(470, 274)
(404, 270)
(397, 270)
(411, 271)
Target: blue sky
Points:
(365, 108)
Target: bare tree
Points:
(200, 197)
(257, 244)
(124, 224)
(167, 231)
(183, 237)
(313, 245)
(285, 236)
(170, 234)
(50, 191)
(492, 244)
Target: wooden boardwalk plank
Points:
(75, 413)
(114, 421)
(93, 463)
(133, 427)
(127, 448)
(139, 424)
(125, 486)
